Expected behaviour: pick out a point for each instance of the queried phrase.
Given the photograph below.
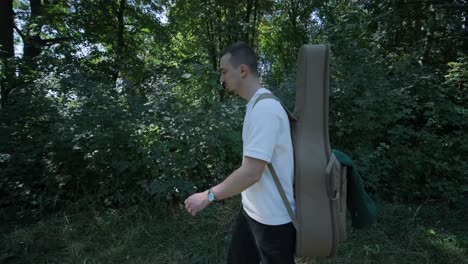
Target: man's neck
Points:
(250, 90)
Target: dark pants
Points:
(253, 242)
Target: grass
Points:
(427, 233)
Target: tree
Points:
(283, 31)
(7, 51)
(119, 53)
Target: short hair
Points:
(241, 53)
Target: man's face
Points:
(230, 76)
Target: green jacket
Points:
(362, 208)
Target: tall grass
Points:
(427, 233)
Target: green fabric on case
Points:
(362, 207)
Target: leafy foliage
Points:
(118, 105)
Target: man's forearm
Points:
(237, 182)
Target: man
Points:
(263, 231)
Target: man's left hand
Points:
(197, 202)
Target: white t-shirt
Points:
(266, 135)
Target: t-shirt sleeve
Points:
(263, 131)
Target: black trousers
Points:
(253, 242)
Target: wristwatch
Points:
(211, 196)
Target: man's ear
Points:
(244, 70)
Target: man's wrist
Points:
(211, 196)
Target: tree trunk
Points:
(247, 22)
(220, 45)
(32, 42)
(465, 30)
(212, 52)
(6, 30)
(7, 50)
(254, 26)
(120, 40)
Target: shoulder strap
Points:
(283, 195)
(331, 162)
(272, 96)
(332, 194)
(270, 166)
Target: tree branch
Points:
(42, 42)
(49, 42)
(23, 37)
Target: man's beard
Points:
(226, 89)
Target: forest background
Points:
(111, 114)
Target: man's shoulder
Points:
(266, 103)
(268, 106)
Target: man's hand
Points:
(197, 202)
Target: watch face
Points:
(211, 196)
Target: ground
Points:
(428, 232)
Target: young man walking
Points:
(263, 231)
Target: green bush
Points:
(405, 130)
(80, 140)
